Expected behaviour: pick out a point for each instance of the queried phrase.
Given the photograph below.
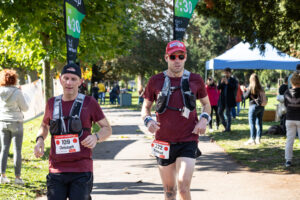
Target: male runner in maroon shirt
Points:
(175, 131)
(71, 173)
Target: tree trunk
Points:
(140, 81)
(47, 84)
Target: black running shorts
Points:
(180, 149)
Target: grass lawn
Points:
(33, 171)
(268, 156)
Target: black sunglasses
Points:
(173, 57)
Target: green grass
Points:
(268, 156)
(33, 171)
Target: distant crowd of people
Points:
(226, 98)
(229, 95)
(98, 91)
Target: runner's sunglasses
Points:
(173, 57)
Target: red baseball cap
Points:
(175, 45)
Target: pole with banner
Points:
(74, 12)
(183, 11)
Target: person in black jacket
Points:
(283, 87)
(228, 86)
(292, 103)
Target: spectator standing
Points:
(213, 95)
(284, 86)
(102, 91)
(257, 101)
(95, 90)
(227, 85)
(114, 94)
(289, 79)
(141, 93)
(292, 103)
(238, 99)
(83, 88)
(243, 88)
(12, 104)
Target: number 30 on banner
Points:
(184, 6)
(73, 25)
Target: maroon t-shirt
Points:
(173, 126)
(79, 161)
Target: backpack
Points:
(276, 130)
(261, 99)
(264, 98)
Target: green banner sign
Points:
(185, 8)
(74, 12)
(74, 18)
(183, 11)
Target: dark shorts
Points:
(180, 149)
(75, 186)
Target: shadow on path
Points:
(126, 130)
(105, 150)
(131, 188)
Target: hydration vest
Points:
(188, 97)
(57, 124)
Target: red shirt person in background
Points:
(71, 172)
(238, 99)
(213, 95)
(176, 130)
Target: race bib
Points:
(67, 143)
(160, 149)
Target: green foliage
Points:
(205, 40)
(106, 29)
(258, 21)
(17, 52)
(268, 156)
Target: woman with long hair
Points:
(12, 104)
(256, 96)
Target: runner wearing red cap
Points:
(177, 127)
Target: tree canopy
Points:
(258, 21)
(106, 31)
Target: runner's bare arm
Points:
(104, 133)
(152, 125)
(146, 108)
(205, 105)
(42, 135)
(200, 127)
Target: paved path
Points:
(124, 169)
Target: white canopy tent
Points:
(242, 57)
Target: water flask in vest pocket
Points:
(75, 125)
(161, 103)
(55, 127)
(190, 100)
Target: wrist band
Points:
(38, 137)
(206, 116)
(97, 136)
(147, 120)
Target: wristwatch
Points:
(38, 137)
(206, 116)
(97, 136)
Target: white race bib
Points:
(67, 143)
(160, 149)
